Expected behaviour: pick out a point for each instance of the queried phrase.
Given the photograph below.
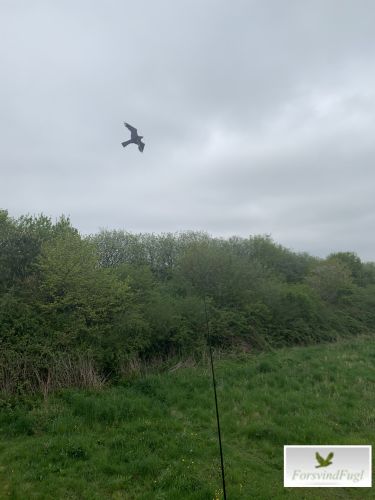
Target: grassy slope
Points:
(155, 437)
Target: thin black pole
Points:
(216, 405)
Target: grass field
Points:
(155, 437)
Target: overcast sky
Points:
(258, 117)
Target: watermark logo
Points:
(327, 466)
(323, 462)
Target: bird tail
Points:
(126, 143)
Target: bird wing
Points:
(141, 146)
(133, 130)
(319, 458)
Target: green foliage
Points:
(368, 273)
(280, 261)
(76, 310)
(352, 262)
(331, 279)
(73, 294)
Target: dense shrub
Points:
(75, 310)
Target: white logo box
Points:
(350, 466)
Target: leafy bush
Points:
(78, 310)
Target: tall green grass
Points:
(155, 437)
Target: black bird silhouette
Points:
(134, 138)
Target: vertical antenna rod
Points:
(216, 406)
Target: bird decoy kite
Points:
(134, 138)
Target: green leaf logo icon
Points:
(323, 462)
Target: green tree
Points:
(352, 262)
(331, 279)
(75, 295)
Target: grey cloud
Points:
(258, 117)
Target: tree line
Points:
(75, 310)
